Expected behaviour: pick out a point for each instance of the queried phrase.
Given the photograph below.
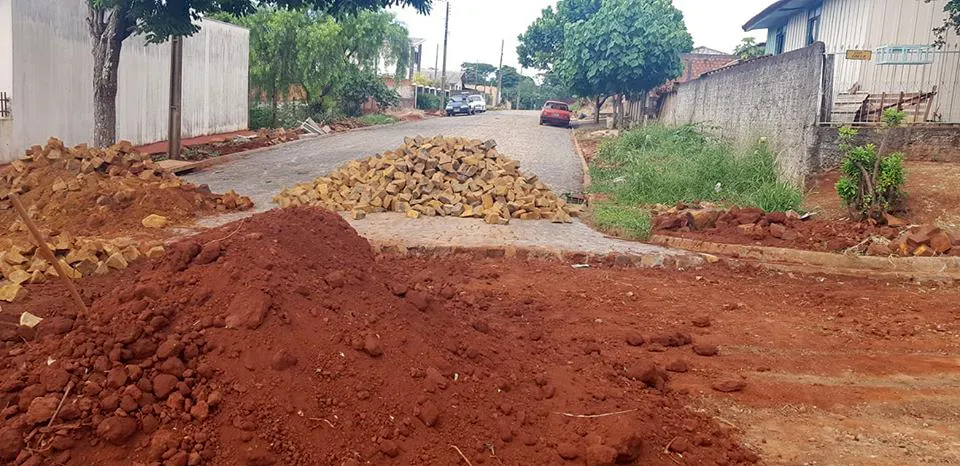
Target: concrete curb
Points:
(587, 181)
(214, 161)
(795, 260)
(652, 260)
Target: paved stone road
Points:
(545, 151)
(542, 150)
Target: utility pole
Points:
(446, 33)
(518, 88)
(500, 75)
(436, 64)
(176, 87)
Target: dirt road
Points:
(545, 151)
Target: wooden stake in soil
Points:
(47, 253)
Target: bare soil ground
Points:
(364, 360)
(932, 195)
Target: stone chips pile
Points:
(450, 177)
(21, 261)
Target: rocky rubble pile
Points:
(919, 241)
(91, 190)
(21, 261)
(449, 177)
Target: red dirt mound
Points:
(282, 340)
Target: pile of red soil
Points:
(777, 229)
(102, 192)
(282, 340)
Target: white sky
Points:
(478, 26)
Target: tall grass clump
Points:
(666, 165)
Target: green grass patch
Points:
(666, 165)
(621, 220)
(374, 119)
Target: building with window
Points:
(882, 52)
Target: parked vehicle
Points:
(555, 113)
(477, 103)
(459, 104)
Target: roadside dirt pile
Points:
(101, 191)
(920, 241)
(777, 229)
(789, 230)
(264, 138)
(282, 340)
(22, 263)
(439, 176)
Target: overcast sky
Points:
(478, 26)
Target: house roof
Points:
(706, 51)
(777, 14)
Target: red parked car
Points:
(555, 113)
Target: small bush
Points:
(871, 184)
(429, 102)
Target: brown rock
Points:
(893, 221)
(706, 350)
(169, 348)
(419, 299)
(371, 346)
(673, 339)
(699, 220)
(678, 366)
(777, 230)
(209, 253)
(163, 385)
(117, 430)
(701, 322)
(11, 442)
(941, 242)
(649, 374)
(390, 448)
(200, 411)
(728, 386)
(173, 366)
(429, 414)
(117, 377)
(41, 409)
(680, 445)
(259, 457)
(568, 451)
(776, 217)
(248, 309)
(924, 251)
(878, 249)
(282, 360)
(601, 455)
(635, 339)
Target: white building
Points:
(46, 67)
(897, 33)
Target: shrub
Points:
(429, 102)
(871, 183)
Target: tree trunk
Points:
(108, 29)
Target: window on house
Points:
(813, 24)
(780, 42)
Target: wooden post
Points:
(926, 114)
(47, 253)
(883, 102)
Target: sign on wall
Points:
(865, 55)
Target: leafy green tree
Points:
(749, 48)
(541, 46)
(112, 21)
(477, 73)
(952, 23)
(627, 47)
(871, 182)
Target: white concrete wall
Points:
(53, 78)
(6, 46)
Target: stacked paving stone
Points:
(447, 177)
(21, 262)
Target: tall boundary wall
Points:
(780, 98)
(52, 79)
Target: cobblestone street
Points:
(545, 151)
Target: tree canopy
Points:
(478, 73)
(541, 46)
(628, 46)
(159, 20)
(952, 23)
(749, 48)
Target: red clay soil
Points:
(812, 234)
(160, 147)
(281, 339)
(932, 195)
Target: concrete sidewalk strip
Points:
(574, 242)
